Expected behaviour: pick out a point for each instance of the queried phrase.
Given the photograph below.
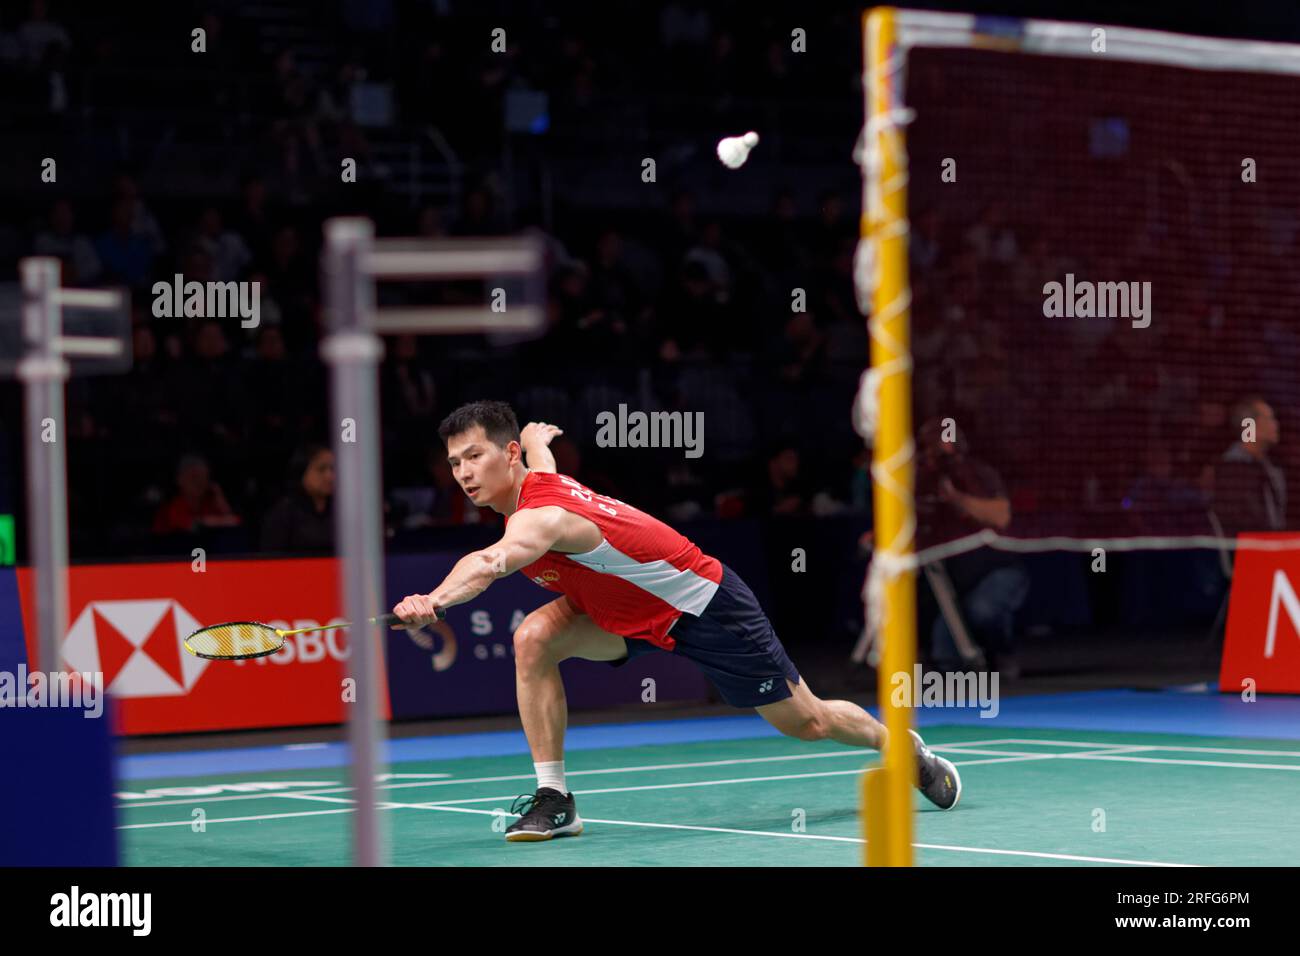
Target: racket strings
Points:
(242, 639)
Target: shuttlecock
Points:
(734, 150)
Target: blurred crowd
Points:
(1092, 426)
(222, 431)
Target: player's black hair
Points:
(497, 418)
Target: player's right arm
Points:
(530, 534)
(534, 439)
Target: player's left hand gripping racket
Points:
(242, 640)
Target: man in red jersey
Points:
(628, 585)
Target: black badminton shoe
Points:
(544, 815)
(939, 779)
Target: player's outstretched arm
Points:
(534, 439)
(531, 533)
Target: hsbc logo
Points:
(310, 647)
(138, 645)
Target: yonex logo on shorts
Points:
(764, 687)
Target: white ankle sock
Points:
(551, 775)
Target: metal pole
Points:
(43, 373)
(352, 351)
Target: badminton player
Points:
(627, 585)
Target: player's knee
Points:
(533, 644)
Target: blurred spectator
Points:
(127, 256)
(785, 489)
(860, 484)
(428, 224)
(252, 221)
(678, 232)
(297, 167)
(776, 78)
(219, 64)
(720, 71)
(958, 495)
(685, 23)
(478, 217)
(303, 520)
(291, 281)
(1160, 502)
(409, 398)
(991, 237)
(269, 377)
(38, 33)
(210, 396)
(73, 249)
(411, 395)
(291, 89)
(198, 502)
(1249, 488)
(229, 253)
(832, 228)
(612, 282)
(143, 223)
(781, 241)
(585, 321)
(802, 350)
(926, 246)
(708, 253)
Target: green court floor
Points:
(1030, 798)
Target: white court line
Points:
(838, 839)
(1085, 744)
(1100, 754)
(503, 778)
(1104, 751)
(1123, 752)
(957, 747)
(511, 797)
(644, 768)
(973, 751)
(710, 783)
(453, 806)
(1233, 764)
(260, 816)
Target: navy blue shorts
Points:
(733, 643)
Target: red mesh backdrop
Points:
(1115, 172)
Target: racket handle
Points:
(390, 619)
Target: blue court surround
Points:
(1200, 711)
(13, 651)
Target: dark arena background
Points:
(995, 316)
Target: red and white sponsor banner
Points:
(130, 621)
(1263, 636)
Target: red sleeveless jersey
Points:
(641, 577)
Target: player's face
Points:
(480, 467)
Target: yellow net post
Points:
(887, 790)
